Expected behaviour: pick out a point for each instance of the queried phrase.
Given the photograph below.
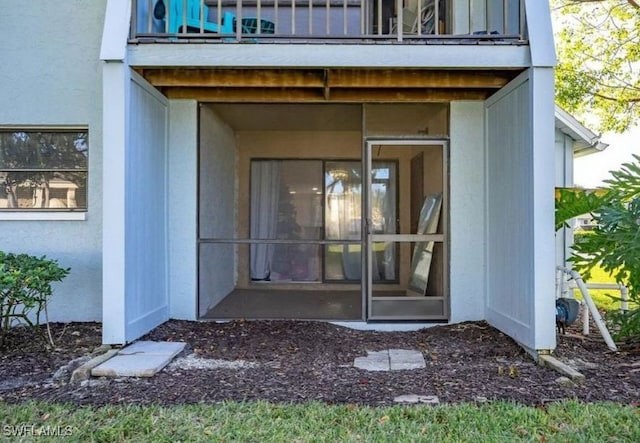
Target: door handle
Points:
(368, 223)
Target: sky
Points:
(591, 170)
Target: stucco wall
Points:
(183, 185)
(52, 77)
(467, 208)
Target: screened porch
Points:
(297, 221)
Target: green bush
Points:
(580, 237)
(25, 288)
(614, 243)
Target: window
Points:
(286, 204)
(311, 200)
(43, 170)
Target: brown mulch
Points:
(298, 361)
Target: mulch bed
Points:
(299, 361)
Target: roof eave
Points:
(586, 141)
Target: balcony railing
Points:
(427, 21)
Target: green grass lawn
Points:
(314, 422)
(601, 297)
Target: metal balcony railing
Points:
(431, 21)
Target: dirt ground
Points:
(298, 361)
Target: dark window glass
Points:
(43, 170)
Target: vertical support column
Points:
(183, 209)
(467, 182)
(115, 79)
(400, 22)
(542, 133)
(239, 20)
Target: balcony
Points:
(457, 22)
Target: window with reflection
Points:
(43, 169)
(343, 215)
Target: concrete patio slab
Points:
(140, 359)
(131, 366)
(153, 348)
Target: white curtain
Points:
(265, 190)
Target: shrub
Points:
(25, 288)
(614, 243)
(580, 237)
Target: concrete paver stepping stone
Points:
(390, 360)
(374, 361)
(140, 359)
(406, 359)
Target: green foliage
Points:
(615, 243)
(598, 48)
(25, 288)
(571, 203)
(607, 300)
(579, 236)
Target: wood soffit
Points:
(322, 85)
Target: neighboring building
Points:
(333, 165)
(573, 140)
(585, 222)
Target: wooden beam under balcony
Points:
(235, 78)
(407, 95)
(358, 95)
(406, 78)
(332, 78)
(248, 95)
(321, 85)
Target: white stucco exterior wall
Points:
(49, 77)
(467, 223)
(183, 186)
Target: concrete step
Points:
(140, 359)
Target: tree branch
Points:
(617, 99)
(633, 3)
